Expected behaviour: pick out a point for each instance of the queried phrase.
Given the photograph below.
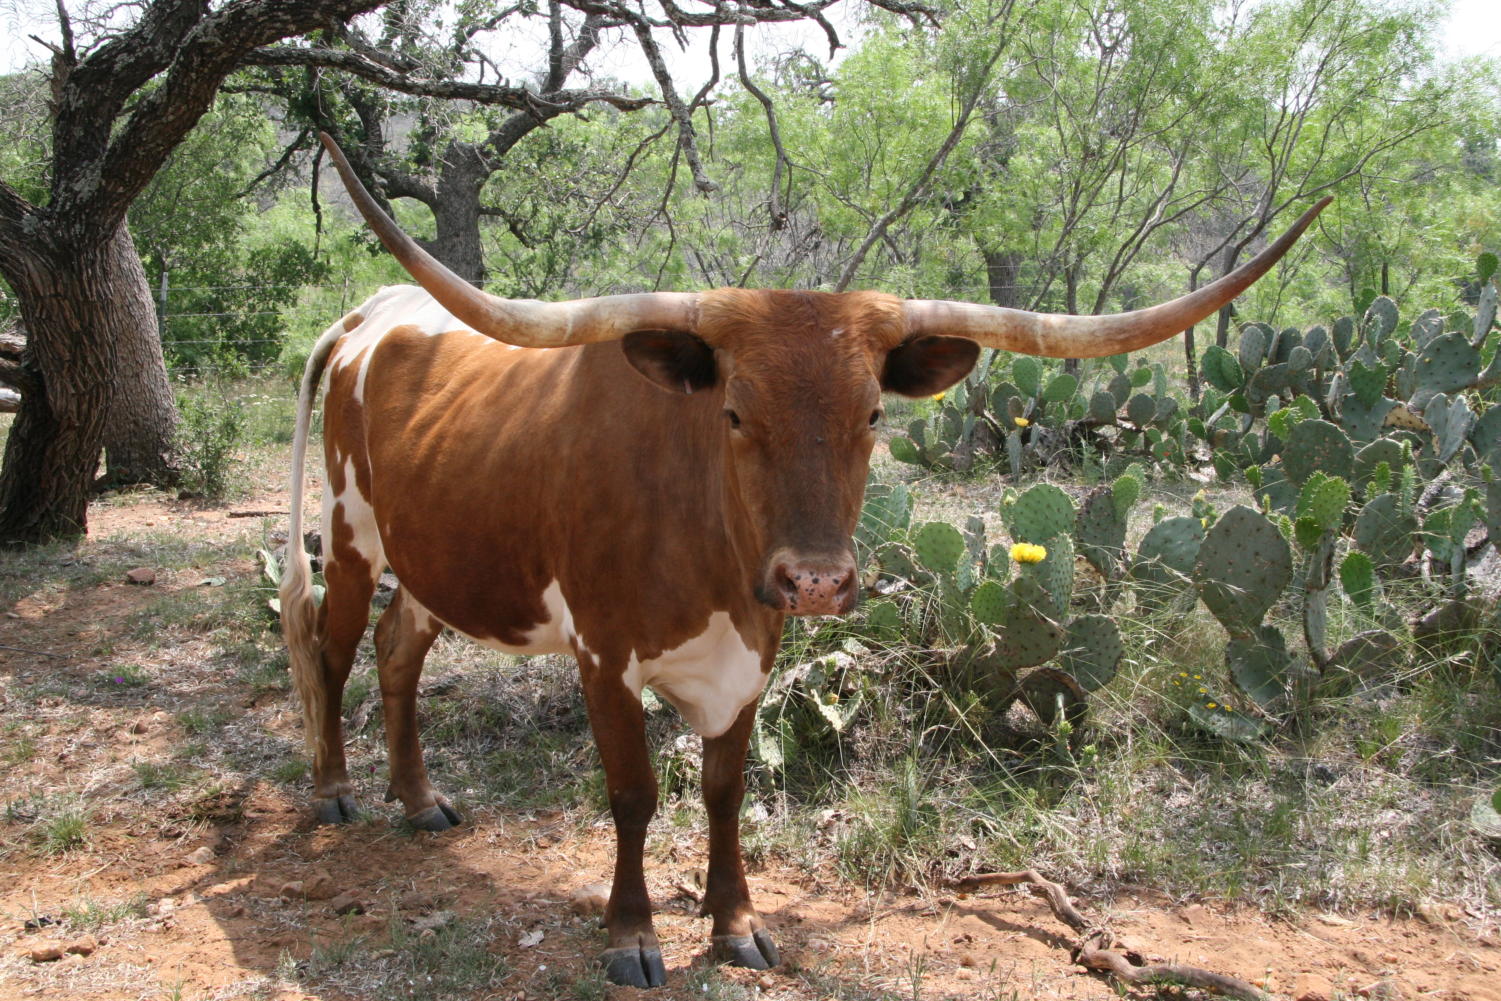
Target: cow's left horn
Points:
(1068, 336)
(527, 323)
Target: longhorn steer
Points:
(532, 490)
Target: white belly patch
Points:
(709, 679)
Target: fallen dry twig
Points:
(1093, 951)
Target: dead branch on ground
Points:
(1094, 948)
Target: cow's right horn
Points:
(527, 323)
(1068, 336)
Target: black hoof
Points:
(336, 809)
(754, 952)
(436, 818)
(634, 966)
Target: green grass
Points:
(167, 777)
(63, 831)
(122, 676)
(89, 914)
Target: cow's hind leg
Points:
(739, 935)
(344, 615)
(633, 957)
(403, 636)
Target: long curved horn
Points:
(1068, 336)
(527, 323)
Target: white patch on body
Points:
(836, 332)
(395, 306)
(709, 679)
(350, 507)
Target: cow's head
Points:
(800, 377)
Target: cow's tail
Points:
(299, 604)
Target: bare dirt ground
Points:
(194, 871)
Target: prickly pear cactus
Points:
(1447, 363)
(1451, 420)
(1369, 458)
(1028, 635)
(1317, 445)
(1093, 651)
(1101, 531)
(887, 511)
(938, 546)
(1244, 565)
(989, 603)
(1042, 513)
(1054, 574)
(1357, 576)
(1260, 667)
(1384, 530)
(1165, 561)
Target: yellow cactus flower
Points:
(1021, 422)
(1026, 552)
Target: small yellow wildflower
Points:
(1026, 552)
(1198, 677)
(1203, 690)
(1182, 674)
(1213, 706)
(938, 396)
(1021, 422)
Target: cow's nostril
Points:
(786, 583)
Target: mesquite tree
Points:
(125, 93)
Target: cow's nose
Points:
(813, 587)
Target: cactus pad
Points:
(1259, 665)
(1382, 450)
(1446, 363)
(1102, 407)
(1357, 575)
(1317, 445)
(1221, 369)
(1027, 371)
(938, 546)
(905, 450)
(1101, 531)
(1093, 651)
(1042, 513)
(1384, 530)
(1253, 345)
(1451, 420)
(887, 511)
(1165, 560)
(989, 603)
(1141, 409)
(1243, 566)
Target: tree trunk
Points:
(1003, 274)
(138, 441)
(80, 300)
(456, 211)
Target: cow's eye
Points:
(733, 418)
(875, 418)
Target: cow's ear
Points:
(673, 359)
(923, 366)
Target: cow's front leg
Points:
(633, 956)
(739, 935)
